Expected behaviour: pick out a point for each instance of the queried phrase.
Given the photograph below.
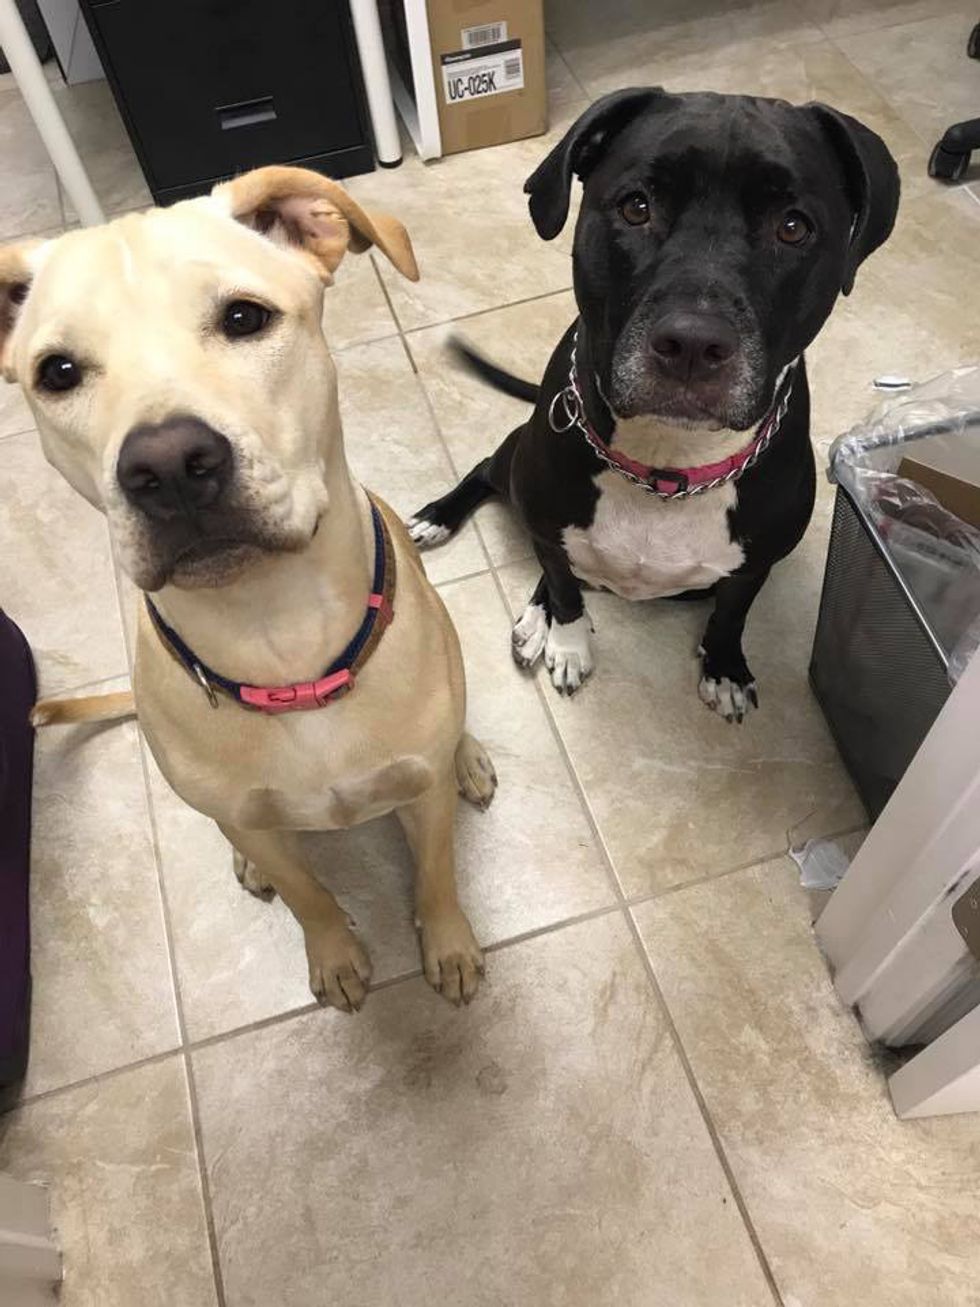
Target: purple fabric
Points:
(18, 691)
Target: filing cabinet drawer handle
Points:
(246, 114)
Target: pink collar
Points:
(337, 680)
(567, 410)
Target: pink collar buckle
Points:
(384, 609)
(303, 695)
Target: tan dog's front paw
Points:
(451, 957)
(475, 776)
(340, 969)
(250, 878)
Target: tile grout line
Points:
(877, 27)
(24, 431)
(360, 344)
(216, 1271)
(291, 1014)
(688, 1069)
(280, 1018)
(638, 900)
(69, 691)
(195, 1114)
(498, 946)
(896, 108)
(494, 308)
(705, 1111)
(578, 787)
(28, 1100)
(61, 196)
(390, 982)
(403, 335)
(405, 332)
(399, 330)
(440, 437)
(562, 751)
(568, 67)
(465, 576)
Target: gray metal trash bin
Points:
(880, 666)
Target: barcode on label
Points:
(490, 70)
(487, 34)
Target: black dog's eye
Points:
(58, 372)
(244, 318)
(635, 209)
(794, 228)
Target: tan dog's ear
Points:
(15, 280)
(316, 215)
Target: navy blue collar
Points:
(337, 680)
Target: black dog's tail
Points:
(490, 373)
(491, 476)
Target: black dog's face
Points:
(714, 236)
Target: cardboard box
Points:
(949, 467)
(488, 62)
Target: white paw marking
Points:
(529, 635)
(426, 534)
(568, 653)
(733, 701)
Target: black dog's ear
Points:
(550, 184)
(872, 182)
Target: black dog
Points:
(668, 452)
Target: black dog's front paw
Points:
(727, 685)
(567, 648)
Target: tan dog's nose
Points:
(174, 469)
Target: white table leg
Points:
(43, 108)
(374, 66)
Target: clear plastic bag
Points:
(936, 553)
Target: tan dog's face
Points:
(177, 370)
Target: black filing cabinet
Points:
(210, 88)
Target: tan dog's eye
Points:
(794, 228)
(57, 373)
(244, 318)
(635, 209)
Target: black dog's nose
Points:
(174, 469)
(691, 346)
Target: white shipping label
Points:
(472, 38)
(489, 70)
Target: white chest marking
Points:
(642, 547)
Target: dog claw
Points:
(568, 654)
(728, 698)
(476, 778)
(426, 534)
(451, 958)
(340, 969)
(529, 635)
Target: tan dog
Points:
(177, 370)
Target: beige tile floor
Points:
(657, 1099)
